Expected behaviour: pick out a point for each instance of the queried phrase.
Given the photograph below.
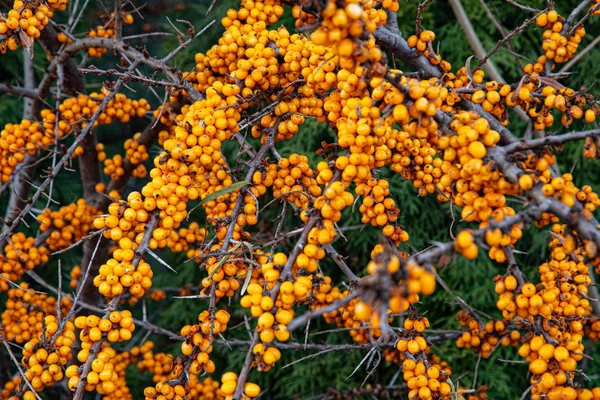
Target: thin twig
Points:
(18, 364)
(513, 33)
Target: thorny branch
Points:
(388, 37)
(513, 33)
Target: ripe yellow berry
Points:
(525, 182)
(251, 389)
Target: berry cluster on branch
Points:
(446, 133)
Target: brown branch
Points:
(524, 144)
(586, 226)
(311, 346)
(144, 324)
(307, 316)
(501, 30)
(593, 292)
(130, 52)
(101, 202)
(89, 167)
(254, 164)
(433, 253)
(20, 185)
(513, 267)
(339, 260)
(147, 35)
(420, 9)
(522, 7)
(515, 32)
(130, 77)
(574, 14)
(478, 49)
(118, 21)
(439, 336)
(17, 90)
(184, 44)
(579, 23)
(77, 243)
(91, 263)
(18, 364)
(29, 80)
(393, 42)
(74, 83)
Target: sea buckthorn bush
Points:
(293, 199)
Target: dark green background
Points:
(425, 219)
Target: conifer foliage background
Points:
(425, 219)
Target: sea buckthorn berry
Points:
(443, 134)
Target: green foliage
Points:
(426, 219)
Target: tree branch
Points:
(473, 39)
(524, 144)
(393, 42)
(17, 90)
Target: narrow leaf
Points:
(223, 261)
(225, 190)
(248, 279)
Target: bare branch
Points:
(339, 260)
(473, 39)
(304, 318)
(514, 32)
(17, 90)
(525, 144)
(574, 14)
(522, 7)
(118, 21)
(18, 364)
